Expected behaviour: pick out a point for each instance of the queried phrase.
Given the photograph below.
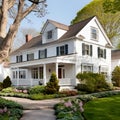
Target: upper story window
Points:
(43, 53)
(19, 58)
(94, 33)
(101, 53)
(30, 56)
(62, 50)
(86, 49)
(49, 34)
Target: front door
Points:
(61, 72)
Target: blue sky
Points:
(62, 11)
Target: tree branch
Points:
(37, 1)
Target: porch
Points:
(39, 74)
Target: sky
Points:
(62, 11)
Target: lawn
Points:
(103, 109)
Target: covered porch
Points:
(39, 74)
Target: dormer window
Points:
(94, 33)
(49, 34)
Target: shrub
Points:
(37, 89)
(7, 82)
(69, 92)
(116, 76)
(52, 86)
(8, 90)
(93, 82)
(1, 86)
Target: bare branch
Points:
(37, 1)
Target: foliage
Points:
(103, 108)
(109, 21)
(93, 82)
(7, 82)
(52, 86)
(10, 110)
(111, 6)
(1, 86)
(69, 109)
(69, 92)
(8, 90)
(116, 76)
(37, 89)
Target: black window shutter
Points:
(21, 58)
(45, 53)
(91, 51)
(17, 59)
(57, 51)
(98, 52)
(39, 54)
(27, 57)
(105, 53)
(83, 48)
(66, 49)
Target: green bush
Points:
(8, 90)
(7, 82)
(93, 82)
(37, 89)
(116, 76)
(1, 86)
(52, 86)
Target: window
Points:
(94, 33)
(41, 72)
(103, 70)
(62, 50)
(19, 58)
(61, 72)
(34, 73)
(86, 49)
(49, 34)
(22, 74)
(14, 74)
(30, 57)
(42, 53)
(101, 53)
(87, 67)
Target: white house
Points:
(66, 50)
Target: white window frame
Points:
(94, 33)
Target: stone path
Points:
(36, 110)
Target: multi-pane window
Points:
(86, 49)
(62, 50)
(42, 53)
(103, 70)
(94, 33)
(101, 53)
(87, 68)
(14, 74)
(19, 58)
(49, 34)
(22, 74)
(34, 72)
(30, 56)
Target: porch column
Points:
(17, 76)
(56, 69)
(44, 74)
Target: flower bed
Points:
(10, 110)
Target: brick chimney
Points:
(28, 38)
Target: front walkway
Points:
(36, 110)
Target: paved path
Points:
(36, 110)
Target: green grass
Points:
(103, 109)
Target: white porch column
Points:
(17, 76)
(56, 69)
(44, 74)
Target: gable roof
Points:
(74, 29)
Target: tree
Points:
(116, 76)
(18, 10)
(109, 21)
(111, 6)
